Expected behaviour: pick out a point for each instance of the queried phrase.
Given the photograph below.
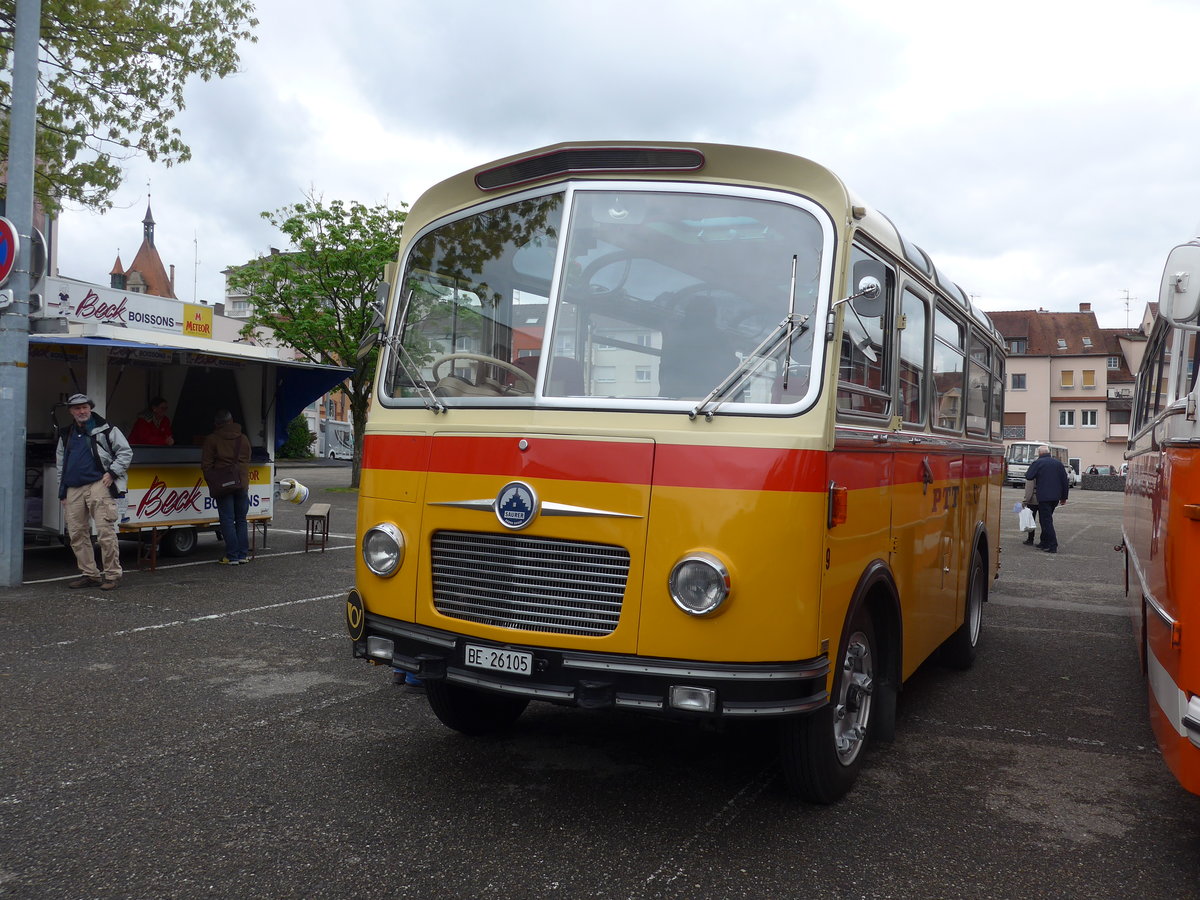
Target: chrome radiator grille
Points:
(537, 584)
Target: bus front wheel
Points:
(822, 752)
(470, 711)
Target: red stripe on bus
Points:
(673, 465)
(556, 458)
(740, 468)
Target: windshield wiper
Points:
(409, 365)
(790, 328)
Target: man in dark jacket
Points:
(1051, 484)
(92, 458)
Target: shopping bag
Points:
(1025, 519)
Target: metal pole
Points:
(14, 321)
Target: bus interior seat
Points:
(566, 374)
(566, 377)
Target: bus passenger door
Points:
(925, 504)
(926, 532)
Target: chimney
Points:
(172, 278)
(1085, 307)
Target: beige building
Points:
(1069, 381)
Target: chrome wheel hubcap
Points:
(852, 712)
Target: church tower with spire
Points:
(147, 274)
(148, 225)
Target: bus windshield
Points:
(651, 297)
(1022, 454)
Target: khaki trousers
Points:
(93, 502)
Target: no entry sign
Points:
(9, 242)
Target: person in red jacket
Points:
(153, 427)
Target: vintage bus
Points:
(1019, 455)
(686, 430)
(1161, 524)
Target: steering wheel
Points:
(483, 360)
(617, 256)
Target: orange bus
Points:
(680, 429)
(1161, 524)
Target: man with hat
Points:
(92, 458)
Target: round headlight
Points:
(383, 549)
(699, 584)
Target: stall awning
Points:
(163, 341)
(297, 383)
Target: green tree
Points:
(111, 79)
(300, 440)
(319, 297)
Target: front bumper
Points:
(602, 680)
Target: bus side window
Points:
(948, 371)
(996, 407)
(979, 376)
(864, 383)
(913, 341)
(1191, 363)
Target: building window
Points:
(1062, 343)
(1017, 346)
(1089, 378)
(1066, 379)
(604, 374)
(1087, 343)
(1018, 381)
(1066, 418)
(1087, 418)
(1114, 362)
(642, 375)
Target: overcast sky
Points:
(1043, 153)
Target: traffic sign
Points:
(9, 242)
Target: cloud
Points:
(1042, 153)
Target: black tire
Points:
(178, 542)
(470, 711)
(822, 752)
(959, 650)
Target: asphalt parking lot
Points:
(203, 732)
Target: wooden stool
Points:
(316, 526)
(147, 545)
(257, 525)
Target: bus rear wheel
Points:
(958, 652)
(470, 711)
(822, 752)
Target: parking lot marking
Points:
(192, 621)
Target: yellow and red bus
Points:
(680, 429)
(1161, 524)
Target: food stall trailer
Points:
(123, 349)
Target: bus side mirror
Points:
(869, 298)
(374, 333)
(1179, 294)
